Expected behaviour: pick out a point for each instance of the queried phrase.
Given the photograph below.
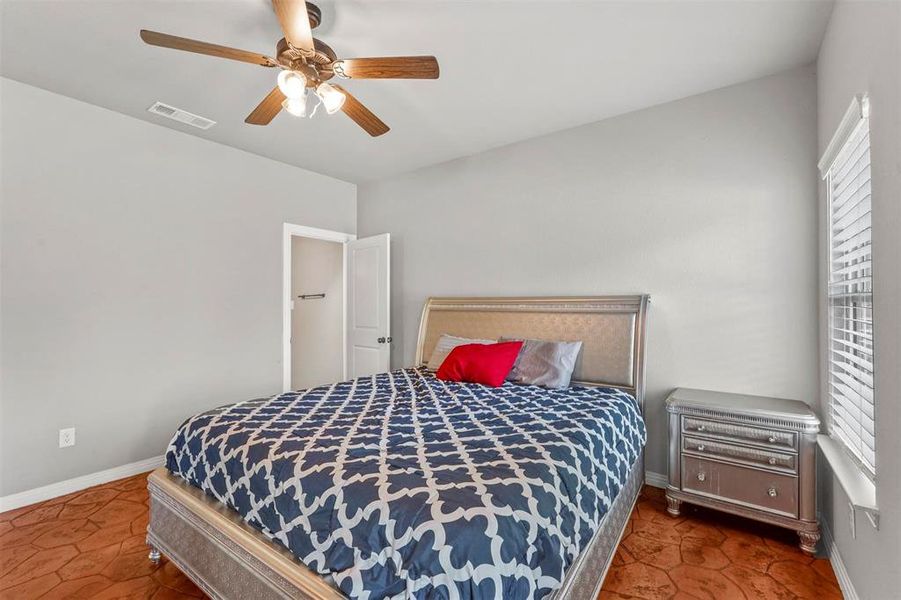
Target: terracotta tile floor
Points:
(90, 544)
(705, 554)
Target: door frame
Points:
(290, 230)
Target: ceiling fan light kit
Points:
(296, 106)
(306, 66)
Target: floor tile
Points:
(93, 496)
(118, 511)
(80, 511)
(638, 580)
(18, 536)
(89, 563)
(754, 556)
(757, 585)
(141, 587)
(105, 537)
(37, 565)
(706, 584)
(65, 533)
(803, 581)
(78, 589)
(38, 515)
(721, 556)
(12, 557)
(32, 588)
(699, 554)
(653, 552)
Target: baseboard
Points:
(76, 484)
(657, 480)
(841, 573)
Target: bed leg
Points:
(154, 555)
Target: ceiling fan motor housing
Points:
(316, 67)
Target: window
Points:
(850, 332)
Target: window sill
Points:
(860, 489)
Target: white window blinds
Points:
(850, 296)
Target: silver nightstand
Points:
(746, 455)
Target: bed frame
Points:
(229, 559)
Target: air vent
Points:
(183, 116)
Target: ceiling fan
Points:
(306, 65)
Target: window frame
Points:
(856, 116)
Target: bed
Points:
(402, 485)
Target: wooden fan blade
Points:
(295, 22)
(361, 115)
(154, 38)
(388, 67)
(267, 109)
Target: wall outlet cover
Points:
(67, 437)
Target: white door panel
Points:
(366, 361)
(368, 306)
(366, 282)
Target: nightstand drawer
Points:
(763, 490)
(767, 459)
(781, 440)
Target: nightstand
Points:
(746, 455)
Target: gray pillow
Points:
(548, 364)
(445, 344)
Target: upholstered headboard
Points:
(611, 328)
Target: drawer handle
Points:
(701, 428)
(701, 476)
(701, 448)
(771, 439)
(772, 492)
(772, 461)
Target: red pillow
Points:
(488, 364)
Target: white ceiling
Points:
(510, 70)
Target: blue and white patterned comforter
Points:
(404, 486)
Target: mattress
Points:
(401, 485)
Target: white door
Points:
(368, 309)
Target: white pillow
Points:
(445, 344)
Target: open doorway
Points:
(315, 306)
(317, 319)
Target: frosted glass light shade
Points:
(296, 106)
(331, 98)
(292, 84)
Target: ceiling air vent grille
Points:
(183, 116)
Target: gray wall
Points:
(706, 203)
(141, 280)
(317, 325)
(861, 53)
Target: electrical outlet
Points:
(66, 437)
